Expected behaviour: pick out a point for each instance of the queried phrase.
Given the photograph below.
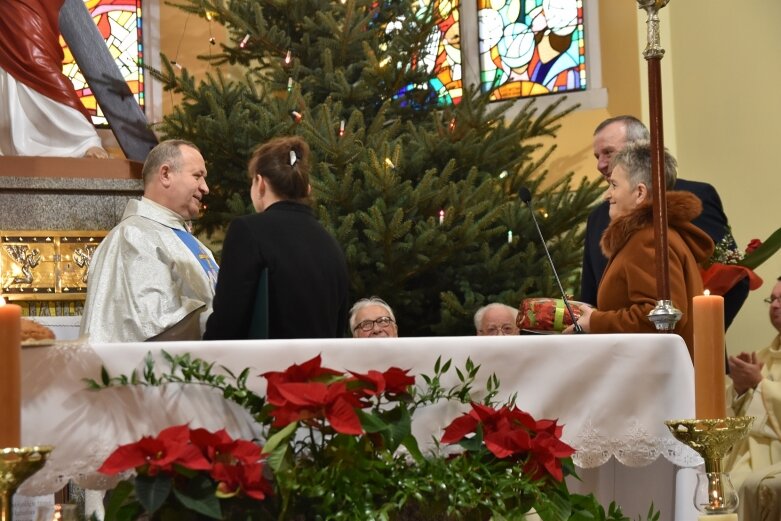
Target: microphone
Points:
(526, 197)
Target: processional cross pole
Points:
(664, 315)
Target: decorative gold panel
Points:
(46, 265)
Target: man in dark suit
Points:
(610, 137)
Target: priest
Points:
(150, 279)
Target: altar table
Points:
(611, 392)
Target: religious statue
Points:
(40, 113)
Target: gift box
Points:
(548, 315)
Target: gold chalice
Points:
(16, 465)
(713, 439)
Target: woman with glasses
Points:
(372, 317)
(283, 251)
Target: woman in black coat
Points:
(307, 272)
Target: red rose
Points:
(753, 245)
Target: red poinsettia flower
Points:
(394, 382)
(311, 370)
(304, 401)
(547, 451)
(171, 447)
(513, 433)
(247, 478)
(507, 440)
(220, 447)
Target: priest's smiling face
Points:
(188, 184)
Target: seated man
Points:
(755, 462)
(372, 317)
(496, 319)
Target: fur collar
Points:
(682, 207)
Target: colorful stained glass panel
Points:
(119, 22)
(531, 47)
(442, 57)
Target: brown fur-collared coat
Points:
(627, 291)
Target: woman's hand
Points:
(584, 321)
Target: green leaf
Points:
(279, 437)
(372, 422)
(153, 491)
(200, 497)
(117, 499)
(766, 250)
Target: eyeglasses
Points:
(770, 300)
(506, 329)
(368, 325)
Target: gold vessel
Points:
(16, 465)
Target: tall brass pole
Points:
(664, 315)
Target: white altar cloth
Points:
(611, 392)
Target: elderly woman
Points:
(627, 291)
(305, 266)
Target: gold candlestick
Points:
(712, 439)
(16, 465)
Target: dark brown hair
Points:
(272, 161)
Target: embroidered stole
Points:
(204, 259)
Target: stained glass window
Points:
(531, 47)
(442, 56)
(119, 22)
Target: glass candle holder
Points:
(715, 493)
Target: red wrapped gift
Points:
(546, 314)
(720, 278)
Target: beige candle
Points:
(10, 375)
(709, 390)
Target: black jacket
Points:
(307, 276)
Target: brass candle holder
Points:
(712, 439)
(16, 465)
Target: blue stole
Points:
(204, 259)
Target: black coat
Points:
(712, 221)
(307, 276)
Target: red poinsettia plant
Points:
(339, 445)
(183, 468)
(729, 265)
(509, 432)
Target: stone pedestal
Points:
(52, 193)
(43, 200)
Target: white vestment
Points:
(32, 124)
(143, 279)
(755, 462)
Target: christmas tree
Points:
(419, 191)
